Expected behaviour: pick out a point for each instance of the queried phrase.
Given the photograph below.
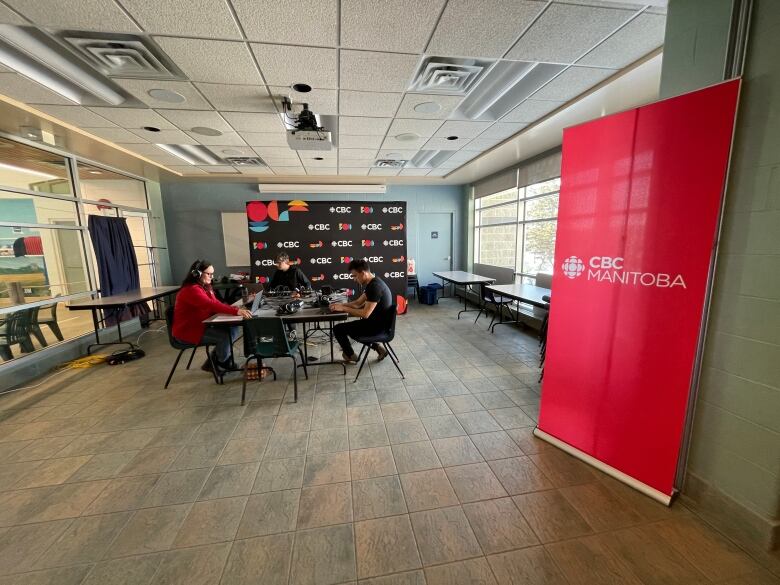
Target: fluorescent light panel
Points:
(426, 159)
(194, 154)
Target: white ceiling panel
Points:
(461, 129)
(116, 135)
(254, 170)
(276, 152)
(369, 71)
(362, 103)
(286, 65)
(439, 172)
(564, 32)
(289, 170)
(226, 139)
(211, 61)
(231, 150)
(531, 110)
(502, 130)
(238, 98)
(391, 142)
(139, 88)
(414, 172)
(482, 28)
(419, 127)
(187, 18)
(359, 126)
(636, 39)
(24, 90)
(77, 116)
(246, 122)
(165, 137)
(321, 101)
(134, 118)
(265, 139)
(384, 172)
(447, 103)
(281, 162)
(572, 82)
(310, 162)
(303, 22)
(82, 15)
(481, 144)
(188, 119)
(356, 154)
(361, 142)
(444, 144)
(396, 153)
(402, 26)
(219, 170)
(321, 171)
(354, 171)
(8, 16)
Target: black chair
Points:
(47, 315)
(182, 347)
(16, 329)
(267, 338)
(413, 283)
(385, 337)
(497, 301)
(35, 329)
(543, 337)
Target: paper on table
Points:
(218, 318)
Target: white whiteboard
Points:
(235, 234)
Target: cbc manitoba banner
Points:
(322, 237)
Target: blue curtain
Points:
(117, 263)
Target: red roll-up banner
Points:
(638, 217)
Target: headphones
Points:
(194, 272)
(290, 308)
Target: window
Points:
(516, 228)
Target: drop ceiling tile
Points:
(482, 144)
(321, 171)
(27, 91)
(564, 32)
(83, 15)
(362, 142)
(414, 172)
(164, 159)
(166, 137)
(134, 118)
(116, 135)
(286, 65)
(231, 150)
(397, 154)
(211, 61)
(139, 88)
(353, 171)
(246, 122)
(359, 126)
(439, 172)
(254, 170)
(391, 142)
(502, 130)
(461, 157)
(402, 26)
(8, 16)
(187, 119)
(362, 103)
(187, 169)
(219, 169)
(276, 151)
(448, 104)
(77, 116)
(187, 18)
(275, 139)
(482, 28)
(369, 71)
(281, 162)
(384, 172)
(321, 101)
(289, 170)
(531, 110)
(356, 154)
(238, 98)
(309, 162)
(419, 127)
(444, 144)
(572, 82)
(226, 139)
(461, 129)
(295, 22)
(635, 40)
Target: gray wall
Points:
(194, 226)
(735, 452)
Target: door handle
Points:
(448, 257)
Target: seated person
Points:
(196, 302)
(287, 275)
(371, 307)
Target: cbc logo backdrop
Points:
(330, 234)
(572, 267)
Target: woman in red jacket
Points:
(196, 302)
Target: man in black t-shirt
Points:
(287, 275)
(371, 307)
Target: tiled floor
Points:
(107, 479)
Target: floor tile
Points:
(494, 400)
(406, 431)
(85, 540)
(456, 451)
(61, 576)
(599, 507)
(211, 521)
(326, 468)
(519, 475)
(269, 513)
(124, 493)
(103, 466)
(398, 411)
(176, 487)
(364, 415)
(528, 443)
(264, 560)
(151, 460)
(363, 437)
(440, 427)
(137, 570)
(286, 445)
(362, 398)
(528, 566)
(149, 530)
(425, 490)
(325, 505)
(328, 441)
(474, 482)
(279, 474)
(551, 517)
(444, 535)
(373, 462)
(51, 472)
(324, 556)
(463, 403)
(499, 525)
(511, 418)
(415, 457)
(293, 423)
(563, 469)
(392, 395)
(246, 450)
(229, 480)
(471, 572)
(496, 445)
(586, 561)
(431, 407)
(478, 422)
(385, 545)
(192, 566)
(408, 578)
(21, 546)
(378, 497)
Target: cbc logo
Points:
(319, 226)
(374, 259)
(392, 209)
(346, 259)
(318, 278)
(260, 245)
(341, 209)
(606, 262)
(366, 210)
(316, 244)
(320, 260)
(394, 274)
(393, 242)
(572, 267)
(366, 243)
(371, 226)
(344, 227)
(341, 243)
(288, 244)
(266, 262)
(342, 276)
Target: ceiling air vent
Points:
(122, 55)
(430, 159)
(245, 161)
(448, 75)
(386, 163)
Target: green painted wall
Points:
(736, 433)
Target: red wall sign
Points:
(639, 207)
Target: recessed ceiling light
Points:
(301, 87)
(452, 137)
(205, 131)
(95, 172)
(151, 129)
(318, 158)
(194, 154)
(427, 108)
(407, 137)
(166, 95)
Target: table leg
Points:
(97, 335)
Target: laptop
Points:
(256, 303)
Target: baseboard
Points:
(741, 524)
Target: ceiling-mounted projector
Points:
(303, 130)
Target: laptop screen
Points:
(256, 302)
